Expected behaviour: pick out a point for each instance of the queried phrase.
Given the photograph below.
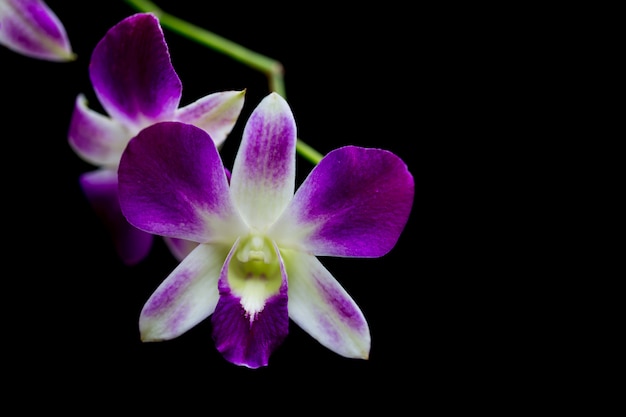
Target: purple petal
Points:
(31, 28)
(323, 308)
(97, 139)
(216, 113)
(132, 74)
(172, 183)
(263, 177)
(186, 297)
(355, 202)
(100, 187)
(248, 338)
(180, 248)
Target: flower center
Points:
(254, 272)
(256, 255)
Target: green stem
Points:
(270, 67)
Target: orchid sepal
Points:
(32, 29)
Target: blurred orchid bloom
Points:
(31, 28)
(255, 266)
(136, 84)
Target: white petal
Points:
(186, 297)
(263, 176)
(323, 308)
(216, 113)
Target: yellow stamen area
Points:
(254, 273)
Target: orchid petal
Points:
(172, 183)
(31, 28)
(321, 306)
(355, 202)
(100, 188)
(97, 139)
(186, 297)
(132, 74)
(250, 322)
(180, 248)
(216, 113)
(263, 176)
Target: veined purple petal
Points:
(31, 28)
(263, 176)
(172, 183)
(355, 202)
(132, 74)
(323, 308)
(246, 337)
(100, 187)
(97, 139)
(216, 113)
(186, 297)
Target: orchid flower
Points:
(31, 28)
(255, 265)
(136, 84)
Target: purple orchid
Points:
(255, 266)
(135, 82)
(31, 28)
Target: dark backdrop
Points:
(373, 77)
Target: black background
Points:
(390, 77)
